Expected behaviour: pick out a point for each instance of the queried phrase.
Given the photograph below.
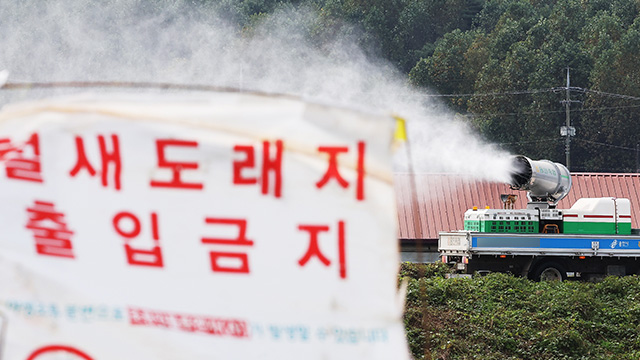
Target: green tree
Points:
(528, 52)
(601, 33)
(447, 69)
(617, 122)
(422, 22)
(512, 52)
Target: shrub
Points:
(501, 316)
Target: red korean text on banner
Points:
(227, 261)
(270, 165)
(22, 162)
(314, 248)
(192, 323)
(136, 256)
(107, 157)
(333, 169)
(6, 148)
(176, 167)
(50, 231)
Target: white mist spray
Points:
(176, 42)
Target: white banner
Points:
(224, 226)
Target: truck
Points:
(592, 239)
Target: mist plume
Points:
(186, 43)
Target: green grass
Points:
(500, 316)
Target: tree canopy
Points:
(505, 62)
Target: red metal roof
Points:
(443, 199)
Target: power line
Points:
(514, 114)
(607, 145)
(531, 142)
(628, 97)
(535, 91)
(555, 111)
(608, 108)
(520, 92)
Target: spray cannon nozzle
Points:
(521, 172)
(544, 180)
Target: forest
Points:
(501, 66)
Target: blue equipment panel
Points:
(539, 242)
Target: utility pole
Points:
(568, 131)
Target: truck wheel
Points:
(550, 271)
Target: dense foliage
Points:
(522, 49)
(500, 316)
(507, 61)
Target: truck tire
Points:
(550, 271)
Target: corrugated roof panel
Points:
(607, 184)
(575, 193)
(452, 199)
(453, 202)
(626, 191)
(425, 205)
(579, 188)
(635, 200)
(485, 191)
(402, 218)
(405, 215)
(475, 195)
(597, 187)
(429, 198)
(461, 192)
(442, 209)
(469, 195)
(429, 192)
(443, 199)
(619, 183)
(404, 212)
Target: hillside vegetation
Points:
(503, 65)
(500, 316)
